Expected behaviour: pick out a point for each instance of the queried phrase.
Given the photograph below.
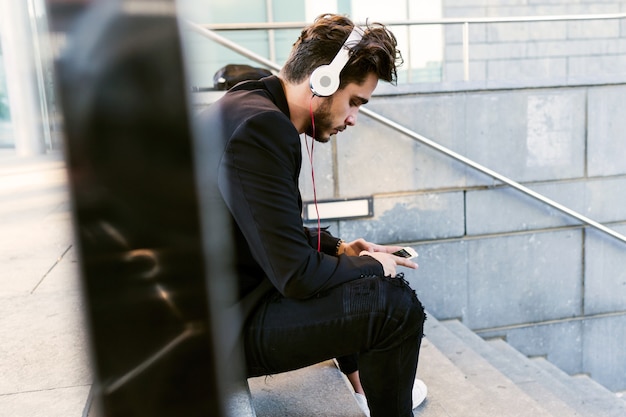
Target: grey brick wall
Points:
(503, 262)
(534, 50)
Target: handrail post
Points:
(466, 51)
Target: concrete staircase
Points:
(466, 377)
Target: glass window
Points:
(6, 137)
(421, 46)
(5, 115)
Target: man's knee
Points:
(392, 304)
(404, 304)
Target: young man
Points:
(306, 295)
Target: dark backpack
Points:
(231, 74)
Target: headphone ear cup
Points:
(324, 81)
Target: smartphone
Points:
(406, 252)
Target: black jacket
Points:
(258, 180)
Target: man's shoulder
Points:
(249, 97)
(246, 99)
(242, 111)
(264, 94)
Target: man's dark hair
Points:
(318, 44)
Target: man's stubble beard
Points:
(323, 122)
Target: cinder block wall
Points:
(503, 262)
(535, 50)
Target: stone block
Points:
(531, 69)
(524, 279)
(528, 135)
(377, 159)
(555, 134)
(441, 279)
(599, 65)
(605, 200)
(605, 272)
(410, 218)
(454, 70)
(547, 30)
(607, 131)
(569, 48)
(598, 29)
(502, 210)
(508, 32)
(548, 7)
(525, 32)
(604, 356)
(488, 51)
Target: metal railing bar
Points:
(232, 45)
(412, 22)
(430, 143)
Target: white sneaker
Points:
(418, 395)
(362, 402)
(420, 391)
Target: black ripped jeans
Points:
(380, 319)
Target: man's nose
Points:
(351, 119)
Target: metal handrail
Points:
(428, 142)
(443, 21)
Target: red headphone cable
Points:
(310, 153)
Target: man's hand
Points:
(355, 247)
(381, 253)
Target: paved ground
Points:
(43, 355)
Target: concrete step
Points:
(555, 395)
(322, 390)
(518, 369)
(317, 390)
(587, 398)
(497, 395)
(450, 392)
(555, 390)
(239, 402)
(591, 395)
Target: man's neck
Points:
(299, 101)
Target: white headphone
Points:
(324, 79)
